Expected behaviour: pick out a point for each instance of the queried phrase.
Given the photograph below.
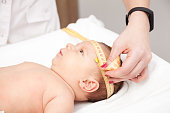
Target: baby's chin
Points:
(53, 67)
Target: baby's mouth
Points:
(61, 52)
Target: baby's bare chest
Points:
(22, 87)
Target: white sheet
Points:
(152, 95)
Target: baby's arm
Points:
(60, 104)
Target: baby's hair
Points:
(101, 93)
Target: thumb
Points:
(115, 52)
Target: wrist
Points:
(139, 18)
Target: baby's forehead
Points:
(85, 43)
(89, 44)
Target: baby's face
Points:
(75, 61)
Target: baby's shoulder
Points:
(60, 104)
(26, 63)
(60, 92)
(31, 65)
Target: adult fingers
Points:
(137, 69)
(131, 61)
(115, 52)
(139, 78)
(115, 80)
(142, 76)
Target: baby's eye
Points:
(81, 51)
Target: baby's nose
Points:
(69, 46)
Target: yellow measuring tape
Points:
(101, 59)
(74, 34)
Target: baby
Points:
(74, 76)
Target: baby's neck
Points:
(66, 84)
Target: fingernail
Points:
(107, 75)
(111, 82)
(104, 65)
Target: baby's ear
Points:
(89, 85)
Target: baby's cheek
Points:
(73, 67)
(71, 61)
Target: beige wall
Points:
(68, 11)
(112, 13)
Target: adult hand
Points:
(133, 41)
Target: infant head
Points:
(76, 65)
